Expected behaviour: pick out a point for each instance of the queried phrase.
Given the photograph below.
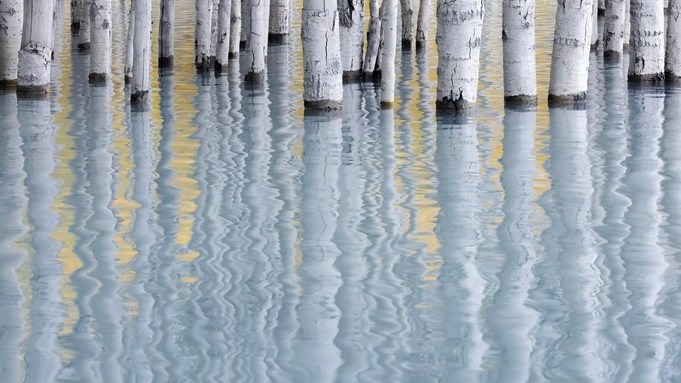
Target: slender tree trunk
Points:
(35, 55)
(235, 29)
(594, 27)
(520, 80)
(129, 47)
(570, 59)
(203, 21)
(244, 42)
(224, 28)
(389, 47)
(351, 17)
(84, 30)
(166, 34)
(139, 90)
(11, 23)
(76, 6)
(422, 24)
(613, 34)
(646, 56)
(279, 24)
(214, 30)
(407, 23)
(672, 63)
(459, 32)
(627, 24)
(258, 42)
(373, 41)
(323, 74)
(100, 45)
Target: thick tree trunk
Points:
(351, 17)
(76, 6)
(323, 74)
(84, 30)
(279, 24)
(613, 34)
(373, 41)
(100, 44)
(389, 47)
(459, 33)
(129, 47)
(11, 23)
(258, 42)
(235, 29)
(204, 12)
(520, 80)
(570, 59)
(35, 54)
(224, 26)
(646, 56)
(425, 11)
(672, 65)
(166, 35)
(407, 23)
(139, 90)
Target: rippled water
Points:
(224, 237)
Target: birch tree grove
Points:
(459, 32)
(166, 35)
(520, 82)
(35, 54)
(647, 45)
(613, 34)
(672, 65)
(100, 41)
(279, 24)
(571, 46)
(351, 18)
(390, 44)
(11, 22)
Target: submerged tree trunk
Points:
(84, 30)
(613, 34)
(235, 29)
(100, 42)
(459, 31)
(323, 73)
(11, 23)
(407, 23)
(224, 26)
(258, 43)
(422, 24)
(373, 42)
(76, 6)
(214, 30)
(570, 59)
(204, 12)
(166, 35)
(129, 51)
(627, 24)
(520, 81)
(35, 54)
(594, 27)
(139, 89)
(646, 55)
(389, 47)
(279, 24)
(244, 42)
(351, 18)
(672, 63)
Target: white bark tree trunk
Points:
(613, 34)
(279, 24)
(129, 47)
(166, 34)
(351, 18)
(627, 23)
(672, 63)
(224, 29)
(11, 23)
(76, 6)
(35, 54)
(235, 29)
(571, 46)
(646, 55)
(373, 41)
(520, 80)
(407, 23)
(84, 30)
(459, 32)
(258, 42)
(425, 11)
(204, 10)
(323, 73)
(594, 27)
(139, 88)
(389, 47)
(214, 30)
(100, 42)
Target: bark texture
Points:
(407, 23)
(235, 28)
(351, 18)
(11, 23)
(279, 23)
(613, 34)
(647, 44)
(139, 88)
(224, 26)
(100, 41)
(35, 54)
(166, 34)
(373, 41)
(390, 41)
(204, 10)
(520, 80)
(258, 42)
(425, 11)
(672, 63)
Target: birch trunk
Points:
(235, 29)
(672, 63)
(646, 56)
(459, 31)
(422, 24)
(166, 35)
(224, 26)
(351, 17)
(390, 45)
(407, 23)
(613, 34)
(323, 73)
(84, 30)
(35, 54)
(214, 30)
(244, 42)
(594, 27)
(373, 41)
(76, 6)
(627, 23)
(520, 81)
(279, 27)
(139, 89)
(100, 44)
(258, 43)
(11, 23)
(129, 51)
(203, 21)
(570, 59)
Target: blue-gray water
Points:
(224, 237)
